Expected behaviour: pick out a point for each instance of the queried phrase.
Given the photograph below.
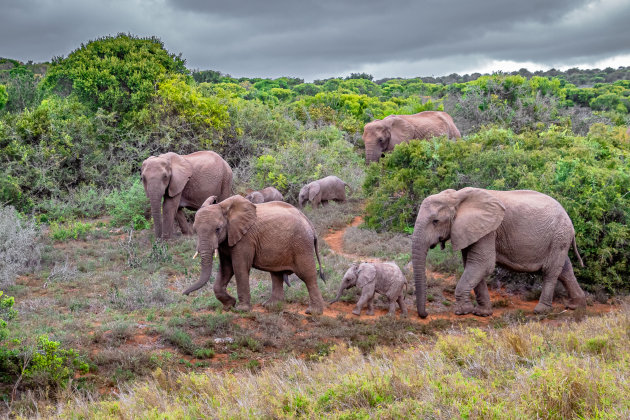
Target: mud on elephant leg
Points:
(277, 290)
(360, 304)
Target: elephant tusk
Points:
(195, 256)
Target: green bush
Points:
(588, 175)
(127, 207)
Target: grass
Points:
(527, 371)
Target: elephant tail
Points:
(577, 254)
(319, 263)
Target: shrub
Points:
(19, 246)
(128, 207)
(588, 175)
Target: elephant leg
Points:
(550, 278)
(482, 295)
(392, 307)
(220, 284)
(241, 272)
(370, 306)
(360, 304)
(324, 203)
(277, 290)
(169, 209)
(309, 277)
(577, 297)
(403, 307)
(183, 223)
(479, 259)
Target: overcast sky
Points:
(326, 38)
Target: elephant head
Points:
(359, 275)
(308, 192)
(463, 216)
(382, 135)
(255, 197)
(164, 174)
(215, 224)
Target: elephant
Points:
(384, 278)
(381, 136)
(265, 195)
(522, 230)
(274, 237)
(323, 190)
(182, 181)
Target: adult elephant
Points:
(173, 182)
(380, 136)
(274, 237)
(522, 230)
(265, 195)
(323, 190)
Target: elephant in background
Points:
(522, 230)
(265, 195)
(173, 182)
(322, 191)
(274, 237)
(384, 278)
(380, 136)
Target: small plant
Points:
(70, 230)
(130, 246)
(128, 207)
(159, 252)
(204, 353)
(62, 272)
(19, 247)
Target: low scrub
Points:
(527, 371)
(588, 175)
(19, 247)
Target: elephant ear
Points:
(241, 215)
(209, 201)
(313, 190)
(181, 171)
(400, 131)
(366, 275)
(478, 214)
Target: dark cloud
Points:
(326, 38)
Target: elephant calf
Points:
(264, 196)
(322, 191)
(384, 278)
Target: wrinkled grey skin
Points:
(265, 195)
(274, 237)
(173, 182)
(370, 278)
(381, 136)
(522, 230)
(323, 190)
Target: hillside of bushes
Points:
(74, 131)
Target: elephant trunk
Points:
(419, 259)
(372, 155)
(156, 213)
(206, 272)
(339, 293)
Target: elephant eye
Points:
(435, 221)
(217, 230)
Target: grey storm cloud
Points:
(327, 38)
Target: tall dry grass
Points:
(537, 370)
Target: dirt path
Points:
(507, 302)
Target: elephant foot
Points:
(272, 302)
(314, 310)
(371, 313)
(356, 312)
(482, 311)
(464, 309)
(542, 308)
(245, 307)
(576, 303)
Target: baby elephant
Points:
(265, 195)
(384, 278)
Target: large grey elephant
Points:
(380, 136)
(265, 195)
(384, 278)
(173, 182)
(522, 230)
(274, 237)
(322, 191)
